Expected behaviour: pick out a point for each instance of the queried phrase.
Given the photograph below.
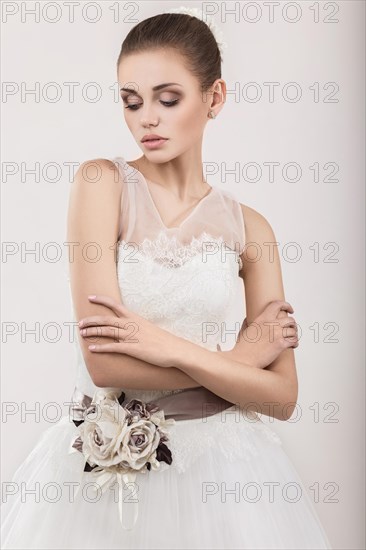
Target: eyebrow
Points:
(155, 88)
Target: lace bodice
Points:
(184, 279)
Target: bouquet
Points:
(118, 437)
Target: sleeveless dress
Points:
(230, 484)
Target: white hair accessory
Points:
(195, 12)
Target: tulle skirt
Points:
(230, 485)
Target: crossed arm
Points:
(94, 211)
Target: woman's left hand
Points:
(131, 334)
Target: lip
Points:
(154, 144)
(148, 137)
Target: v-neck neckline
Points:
(144, 180)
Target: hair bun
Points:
(216, 31)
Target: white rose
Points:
(138, 443)
(105, 424)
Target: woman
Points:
(163, 447)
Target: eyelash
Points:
(165, 103)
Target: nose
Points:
(148, 119)
(146, 124)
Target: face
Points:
(177, 112)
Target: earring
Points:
(211, 114)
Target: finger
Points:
(289, 331)
(113, 304)
(276, 306)
(288, 344)
(281, 305)
(290, 334)
(97, 332)
(288, 322)
(101, 320)
(106, 348)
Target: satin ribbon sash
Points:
(188, 404)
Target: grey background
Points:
(324, 218)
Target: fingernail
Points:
(92, 296)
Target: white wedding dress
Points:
(230, 484)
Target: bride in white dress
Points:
(163, 446)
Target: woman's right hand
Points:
(260, 342)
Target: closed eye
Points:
(135, 107)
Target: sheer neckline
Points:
(195, 208)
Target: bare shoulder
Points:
(96, 180)
(260, 242)
(94, 199)
(94, 170)
(257, 227)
